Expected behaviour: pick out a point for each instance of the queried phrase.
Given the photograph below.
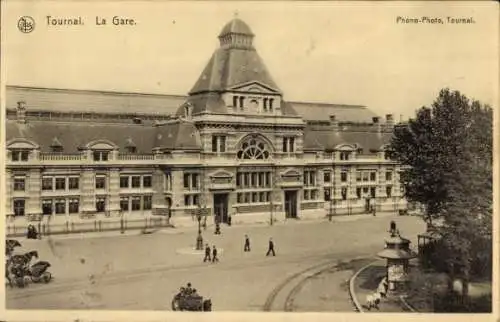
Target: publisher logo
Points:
(26, 24)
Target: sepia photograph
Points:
(293, 157)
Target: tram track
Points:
(290, 287)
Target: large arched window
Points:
(253, 149)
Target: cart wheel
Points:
(46, 277)
(35, 279)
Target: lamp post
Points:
(199, 239)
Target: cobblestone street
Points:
(143, 272)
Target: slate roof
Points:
(329, 139)
(67, 100)
(74, 135)
(343, 113)
(232, 66)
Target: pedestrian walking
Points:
(207, 254)
(217, 228)
(271, 248)
(247, 244)
(214, 255)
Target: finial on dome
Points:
(235, 13)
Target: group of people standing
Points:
(211, 253)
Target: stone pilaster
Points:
(34, 206)
(159, 203)
(177, 190)
(114, 192)
(87, 179)
(9, 211)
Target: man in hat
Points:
(214, 254)
(207, 254)
(271, 248)
(246, 248)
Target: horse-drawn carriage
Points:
(18, 266)
(187, 300)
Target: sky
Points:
(334, 52)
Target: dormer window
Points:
(56, 145)
(242, 102)
(344, 155)
(130, 146)
(101, 155)
(271, 104)
(20, 155)
(265, 104)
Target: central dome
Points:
(236, 26)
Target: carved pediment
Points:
(345, 147)
(291, 175)
(255, 87)
(221, 177)
(21, 143)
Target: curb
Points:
(352, 294)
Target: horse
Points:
(24, 259)
(16, 264)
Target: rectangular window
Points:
(60, 206)
(372, 192)
(255, 197)
(60, 183)
(344, 193)
(268, 196)
(100, 182)
(186, 180)
(388, 191)
(235, 101)
(262, 197)
(343, 176)
(306, 194)
(147, 181)
(194, 181)
(247, 197)
(373, 176)
(327, 176)
(101, 155)
(268, 179)
(358, 175)
(326, 194)
(147, 203)
(19, 207)
(196, 200)
(20, 155)
(214, 143)
(187, 200)
(262, 179)
(365, 190)
(47, 183)
(19, 184)
(238, 180)
(73, 206)
(255, 179)
(222, 144)
(312, 178)
(247, 179)
(288, 144)
(388, 176)
(47, 207)
(74, 183)
(136, 203)
(366, 176)
(136, 181)
(100, 204)
(314, 194)
(239, 197)
(358, 192)
(124, 203)
(124, 181)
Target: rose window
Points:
(253, 149)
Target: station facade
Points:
(233, 145)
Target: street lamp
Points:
(199, 239)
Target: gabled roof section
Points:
(254, 87)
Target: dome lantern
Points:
(236, 34)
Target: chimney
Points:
(376, 123)
(389, 121)
(334, 123)
(21, 112)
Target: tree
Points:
(446, 153)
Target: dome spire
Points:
(236, 34)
